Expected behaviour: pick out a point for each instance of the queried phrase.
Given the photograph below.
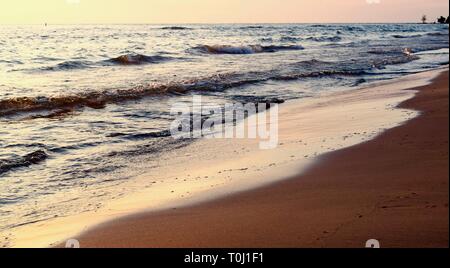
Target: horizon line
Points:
(212, 23)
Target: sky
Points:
(218, 11)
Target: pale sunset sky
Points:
(217, 11)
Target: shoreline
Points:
(343, 200)
(308, 129)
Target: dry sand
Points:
(393, 188)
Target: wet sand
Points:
(393, 188)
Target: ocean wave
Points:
(310, 65)
(257, 99)
(127, 59)
(316, 74)
(23, 161)
(399, 36)
(382, 51)
(62, 105)
(141, 136)
(251, 27)
(438, 34)
(179, 28)
(325, 39)
(391, 51)
(290, 39)
(250, 49)
(94, 100)
(138, 59)
(354, 28)
(68, 65)
(11, 61)
(98, 100)
(281, 48)
(405, 58)
(266, 39)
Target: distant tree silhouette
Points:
(424, 19)
(447, 20)
(441, 20)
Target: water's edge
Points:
(139, 203)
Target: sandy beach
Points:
(207, 124)
(393, 188)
